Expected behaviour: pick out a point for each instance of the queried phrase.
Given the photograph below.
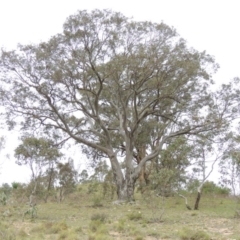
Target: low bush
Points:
(211, 187)
(97, 201)
(102, 217)
(189, 234)
(135, 216)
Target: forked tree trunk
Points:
(125, 190)
(125, 184)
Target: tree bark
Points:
(125, 188)
(143, 175)
(125, 184)
(196, 206)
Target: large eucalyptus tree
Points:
(114, 85)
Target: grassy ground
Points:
(85, 216)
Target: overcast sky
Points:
(211, 25)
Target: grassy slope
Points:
(76, 218)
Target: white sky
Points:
(211, 25)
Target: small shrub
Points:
(102, 217)
(97, 202)
(237, 213)
(94, 225)
(63, 235)
(94, 187)
(211, 187)
(135, 216)
(189, 234)
(60, 226)
(139, 238)
(121, 225)
(15, 185)
(6, 232)
(22, 234)
(138, 235)
(31, 211)
(154, 234)
(3, 198)
(98, 230)
(79, 230)
(53, 228)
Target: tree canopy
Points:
(116, 86)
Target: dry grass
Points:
(78, 218)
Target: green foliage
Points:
(211, 187)
(67, 177)
(83, 176)
(192, 185)
(121, 225)
(94, 187)
(109, 188)
(169, 171)
(188, 234)
(6, 188)
(97, 201)
(101, 181)
(15, 185)
(163, 182)
(41, 155)
(97, 227)
(40, 150)
(3, 198)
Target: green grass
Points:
(78, 218)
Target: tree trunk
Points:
(125, 184)
(143, 176)
(49, 185)
(125, 190)
(197, 200)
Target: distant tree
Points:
(206, 175)
(230, 163)
(67, 178)
(171, 165)
(116, 86)
(210, 187)
(83, 176)
(40, 155)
